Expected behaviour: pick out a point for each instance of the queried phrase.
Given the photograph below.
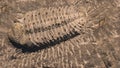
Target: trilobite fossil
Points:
(48, 25)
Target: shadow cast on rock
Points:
(28, 49)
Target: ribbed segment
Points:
(50, 23)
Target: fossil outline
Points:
(48, 23)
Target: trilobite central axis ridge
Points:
(48, 25)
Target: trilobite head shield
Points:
(16, 32)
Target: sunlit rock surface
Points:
(99, 47)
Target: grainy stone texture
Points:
(99, 47)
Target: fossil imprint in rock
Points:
(48, 25)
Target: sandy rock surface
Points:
(99, 47)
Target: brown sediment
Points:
(99, 47)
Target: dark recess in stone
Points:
(28, 49)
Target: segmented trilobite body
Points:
(52, 23)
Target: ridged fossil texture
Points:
(49, 25)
